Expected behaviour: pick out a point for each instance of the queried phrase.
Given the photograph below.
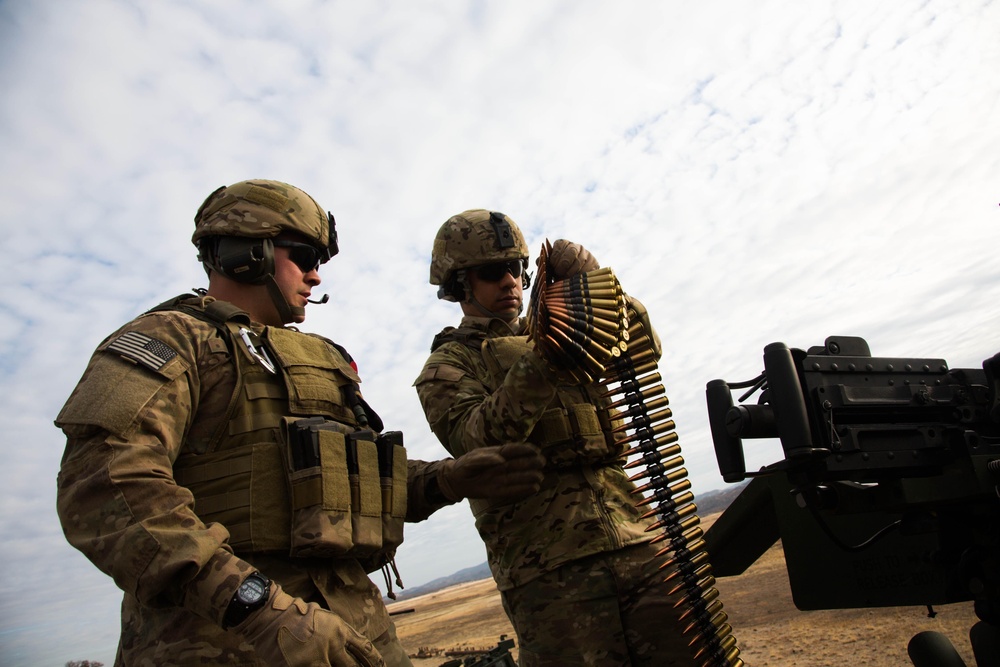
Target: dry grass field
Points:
(768, 627)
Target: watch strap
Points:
(238, 610)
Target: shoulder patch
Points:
(146, 350)
(441, 372)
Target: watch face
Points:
(252, 590)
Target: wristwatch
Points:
(252, 594)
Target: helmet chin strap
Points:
(287, 312)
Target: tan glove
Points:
(289, 632)
(504, 472)
(568, 259)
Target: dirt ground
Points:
(767, 626)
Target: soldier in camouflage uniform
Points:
(577, 575)
(225, 470)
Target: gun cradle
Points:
(887, 493)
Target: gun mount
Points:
(887, 494)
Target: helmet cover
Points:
(264, 209)
(473, 238)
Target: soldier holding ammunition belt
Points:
(225, 470)
(577, 575)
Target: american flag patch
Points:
(149, 352)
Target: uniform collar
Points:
(494, 325)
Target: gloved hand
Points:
(504, 472)
(289, 631)
(568, 259)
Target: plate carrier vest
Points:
(296, 465)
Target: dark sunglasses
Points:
(492, 273)
(306, 257)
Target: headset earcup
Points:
(453, 290)
(245, 260)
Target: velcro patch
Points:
(269, 198)
(442, 372)
(150, 352)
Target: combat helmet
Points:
(236, 226)
(470, 239)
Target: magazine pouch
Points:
(366, 493)
(392, 476)
(320, 486)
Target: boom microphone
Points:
(326, 297)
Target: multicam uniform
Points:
(573, 563)
(176, 481)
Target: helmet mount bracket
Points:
(505, 239)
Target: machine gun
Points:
(887, 494)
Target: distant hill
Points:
(474, 573)
(708, 503)
(711, 502)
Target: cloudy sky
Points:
(754, 172)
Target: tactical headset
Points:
(251, 260)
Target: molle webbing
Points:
(244, 490)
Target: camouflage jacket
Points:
(583, 508)
(135, 412)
